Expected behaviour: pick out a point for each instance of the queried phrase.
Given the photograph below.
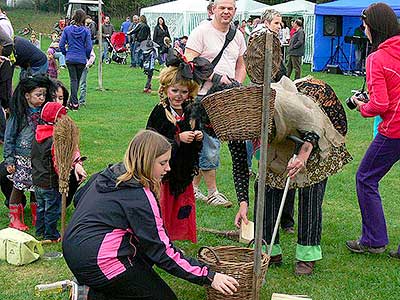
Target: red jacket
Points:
(383, 81)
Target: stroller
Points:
(119, 52)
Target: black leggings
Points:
(75, 74)
(138, 282)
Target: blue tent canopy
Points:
(325, 45)
(352, 7)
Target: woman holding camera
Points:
(383, 81)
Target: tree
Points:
(123, 7)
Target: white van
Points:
(91, 7)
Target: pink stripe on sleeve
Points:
(107, 259)
(175, 256)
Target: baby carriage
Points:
(119, 52)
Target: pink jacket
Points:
(383, 81)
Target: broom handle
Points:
(278, 219)
(63, 213)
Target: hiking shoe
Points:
(356, 247)
(304, 268)
(275, 260)
(199, 195)
(218, 199)
(394, 254)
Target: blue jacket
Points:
(18, 143)
(76, 44)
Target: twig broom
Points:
(66, 139)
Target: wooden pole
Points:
(257, 274)
(100, 61)
(63, 213)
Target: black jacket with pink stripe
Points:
(112, 226)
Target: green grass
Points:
(111, 119)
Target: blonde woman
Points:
(118, 229)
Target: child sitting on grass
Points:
(45, 173)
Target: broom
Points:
(66, 139)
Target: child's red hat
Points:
(51, 111)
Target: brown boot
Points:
(17, 217)
(34, 212)
(304, 267)
(275, 260)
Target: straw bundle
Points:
(66, 139)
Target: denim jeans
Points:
(48, 212)
(82, 84)
(134, 54)
(209, 155)
(75, 74)
(60, 57)
(105, 50)
(42, 70)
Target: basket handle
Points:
(253, 240)
(200, 253)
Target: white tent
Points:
(295, 7)
(182, 16)
(302, 8)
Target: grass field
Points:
(113, 116)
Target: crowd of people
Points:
(127, 216)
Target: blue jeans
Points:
(105, 50)
(209, 155)
(48, 212)
(250, 149)
(134, 54)
(42, 70)
(60, 57)
(82, 85)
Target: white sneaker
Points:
(199, 195)
(218, 199)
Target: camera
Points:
(362, 96)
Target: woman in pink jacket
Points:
(383, 81)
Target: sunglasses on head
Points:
(363, 15)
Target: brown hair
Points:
(382, 23)
(140, 158)
(143, 19)
(79, 17)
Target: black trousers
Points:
(75, 74)
(6, 74)
(309, 216)
(137, 282)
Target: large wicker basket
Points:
(236, 113)
(237, 262)
(254, 58)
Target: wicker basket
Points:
(236, 113)
(237, 262)
(254, 58)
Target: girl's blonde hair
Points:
(140, 158)
(170, 76)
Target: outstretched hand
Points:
(241, 215)
(225, 284)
